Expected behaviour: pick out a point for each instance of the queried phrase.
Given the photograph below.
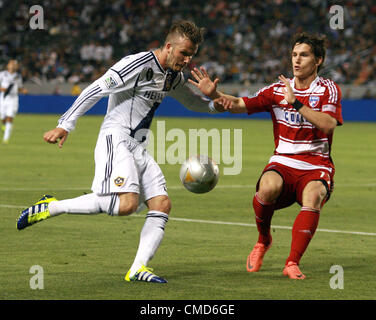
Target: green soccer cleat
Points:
(144, 274)
(37, 212)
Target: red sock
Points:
(263, 214)
(302, 232)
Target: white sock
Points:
(86, 204)
(150, 239)
(8, 130)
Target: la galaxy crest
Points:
(170, 77)
(119, 181)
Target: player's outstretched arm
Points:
(222, 102)
(55, 135)
(230, 103)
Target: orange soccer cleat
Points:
(292, 271)
(255, 258)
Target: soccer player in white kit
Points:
(126, 176)
(10, 86)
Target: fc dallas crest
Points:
(314, 101)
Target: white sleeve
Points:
(116, 79)
(191, 98)
(109, 83)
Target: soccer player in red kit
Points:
(305, 111)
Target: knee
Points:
(128, 207)
(269, 191)
(314, 199)
(162, 204)
(314, 194)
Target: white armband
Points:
(212, 109)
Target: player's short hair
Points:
(186, 29)
(317, 44)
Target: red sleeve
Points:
(332, 102)
(261, 101)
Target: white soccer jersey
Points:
(11, 82)
(136, 85)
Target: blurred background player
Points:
(10, 87)
(305, 111)
(126, 176)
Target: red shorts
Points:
(294, 182)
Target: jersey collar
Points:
(311, 86)
(157, 62)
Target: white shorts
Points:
(123, 165)
(8, 107)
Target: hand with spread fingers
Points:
(289, 93)
(204, 83)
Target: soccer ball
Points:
(199, 174)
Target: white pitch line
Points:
(45, 189)
(273, 226)
(226, 223)
(10, 206)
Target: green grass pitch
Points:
(86, 257)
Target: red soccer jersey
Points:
(298, 143)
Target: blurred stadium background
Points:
(247, 43)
